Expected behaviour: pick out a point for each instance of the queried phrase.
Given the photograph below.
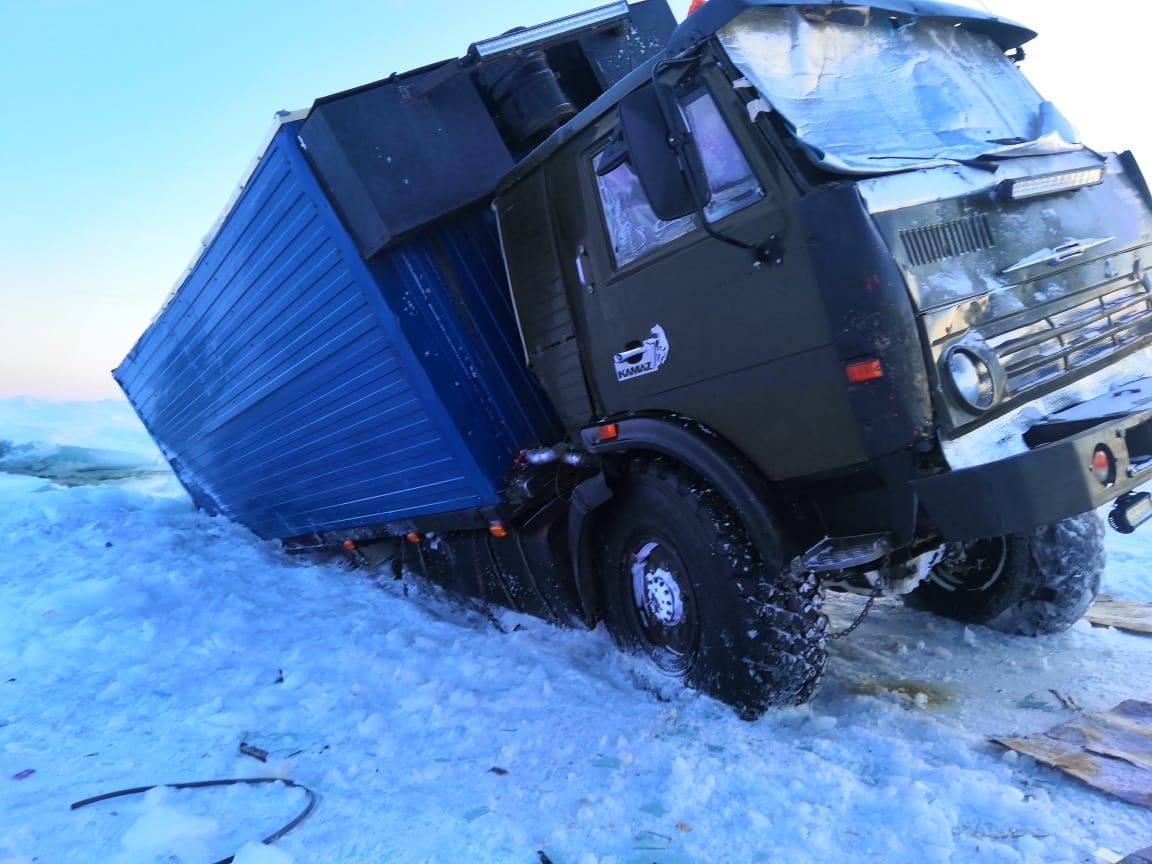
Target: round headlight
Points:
(971, 380)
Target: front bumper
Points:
(1052, 480)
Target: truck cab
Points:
(846, 266)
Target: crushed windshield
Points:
(870, 95)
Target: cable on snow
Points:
(201, 784)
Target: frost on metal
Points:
(873, 97)
(1004, 436)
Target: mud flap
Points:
(1127, 615)
(1110, 750)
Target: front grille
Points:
(944, 240)
(1066, 340)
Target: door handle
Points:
(583, 269)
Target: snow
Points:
(141, 642)
(75, 441)
(161, 826)
(257, 853)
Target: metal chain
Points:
(877, 590)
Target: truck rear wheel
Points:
(1036, 583)
(682, 584)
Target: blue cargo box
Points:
(300, 389)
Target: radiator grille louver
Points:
(1061, 342)
(932, 243)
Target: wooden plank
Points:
(1109, 750)
(1144, 856)
(1127, 615)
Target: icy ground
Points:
(142, 642)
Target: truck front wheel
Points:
(681, 582)
(1036, 583)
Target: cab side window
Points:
(632, 226)
(730, 178)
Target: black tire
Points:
(1032, 584)
(721, 616)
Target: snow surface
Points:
(75, 442)
(141, 642)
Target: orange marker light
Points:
(413, 537)
(1104, 465)
(860, 371)
(497, 530)
(350, 545)
(609, 432)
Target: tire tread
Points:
(782, 665)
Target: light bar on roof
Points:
(1049, 184)
(542, 34)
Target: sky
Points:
(127, 124)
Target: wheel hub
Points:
(971, 567)
(655, 588)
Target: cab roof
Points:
(714, 14)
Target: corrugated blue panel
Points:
(449, 289)
(297, 389)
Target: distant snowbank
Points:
(75, 442)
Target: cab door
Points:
(675, 319)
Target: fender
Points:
(718, 462)
(585, 499)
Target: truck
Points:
(677, 327)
